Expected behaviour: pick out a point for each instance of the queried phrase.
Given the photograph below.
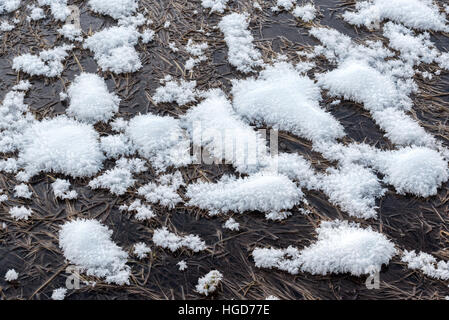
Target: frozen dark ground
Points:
(31, 247)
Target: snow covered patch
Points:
(282, 259)
(265, 192)
(114, 8)
(209, 283)
(215, 5)
(47, 63)
(418, 14)
(114, 49)
(61, 189)
(242, 54)
(169, 240)
(281, 98)
(90, 100)
(60, 145)
(11, 275)
(20, 213)
(159, 139)
(88, 244)
(6, 26)
(427, 263)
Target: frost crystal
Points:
(419, 14)
(169, 240)
(159, 139)
(48, 63)
(59, 294)
(20, 213)
(22, 191)
(263, 192)
(242, 53)
(114, 49)
(88, 244)
(141, 250)
(11, 275)
(61, 189)
(209, 283)
(90, 100)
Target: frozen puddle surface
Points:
(210, 149)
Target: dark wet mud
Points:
(31, 247)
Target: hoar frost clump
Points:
(160, 140)
(258, 192)
(20, 213)
(59, 294)
(427, 263)
(169, 240)
(280, 97)
(418, 14)
(242, 54)
(209, 283)
(214, 125)
(11, 275)
(114, 49)
(61, 189)
(141, 250)
(341, 247)
(88, 244)
(215, 5)
(181, 92)
(59, 8)
(48, 63)
(60, 145)
(114, 8)
(7, 6)
(306, 13)
(90, 100)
